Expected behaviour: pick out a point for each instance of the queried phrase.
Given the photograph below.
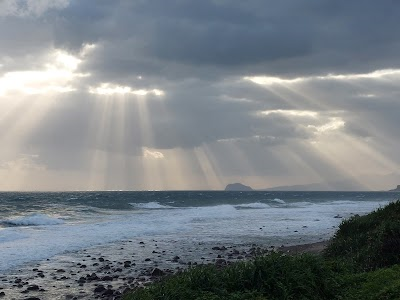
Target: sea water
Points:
(39, 226)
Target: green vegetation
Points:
(359, 263)
(368, 242)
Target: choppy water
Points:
(37, 226)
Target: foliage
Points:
(376, 285)
(274, 276)
(368, 242)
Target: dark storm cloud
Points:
(215, 38)
(183, 38)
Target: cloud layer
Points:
(215, 91)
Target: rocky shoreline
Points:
(108, 273)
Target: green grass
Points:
(275, 276)
(375, 285)
(361, 262)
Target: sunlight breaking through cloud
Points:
(294, 113)
(333, 124)
(270, 80)
(111, 89)
(147, 153)
(56, 76)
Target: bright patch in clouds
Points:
(334, 123)
(294, 113)
(55, 77)
(147, 153)
(109, 89)
(269, 80)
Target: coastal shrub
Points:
(274, 276)
(381, 284)
(368, 242)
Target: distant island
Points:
(397, 189)
(238, 187)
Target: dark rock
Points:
(220, 262)
(92, 276)
(176, 258)
(60, 271)
(101, 259)
(99, 289)
(82, 280)
(107, 278)
(108, 292)
(223, 248)
(147, 259)
(32, 287)
(2, 294)
(157, 272)
(32, 298)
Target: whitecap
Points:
(33, 220)
(150, 205)
(277, 200)
(255, 205)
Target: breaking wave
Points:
(33, 220)
(150, 205)
(255, 205)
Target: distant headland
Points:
(397, 189)
(331, 186)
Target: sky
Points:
(187, 94)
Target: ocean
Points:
(36, 227)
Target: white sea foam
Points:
(34, 220)
(215, 223)
(277, 200)
(8, 236)
(255, 205)
(150, 205)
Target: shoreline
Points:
(112, 271)
(311, 248)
